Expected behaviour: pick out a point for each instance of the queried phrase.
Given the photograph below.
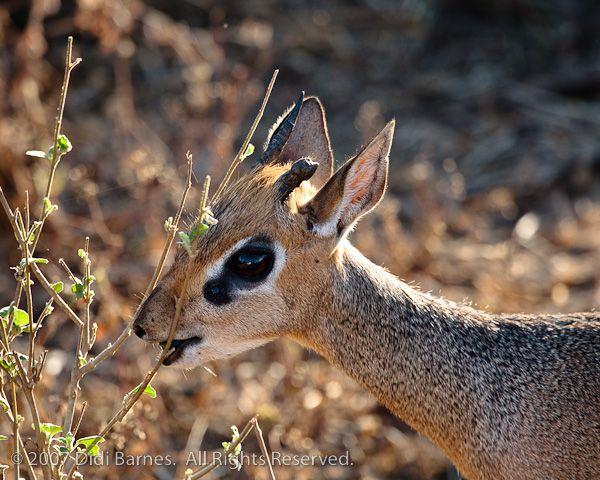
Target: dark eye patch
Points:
(217, 292)
(248, 265)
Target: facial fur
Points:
(261, 270)
(253, 314)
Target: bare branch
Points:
(111, 349)
(240, 155)
(263, 449)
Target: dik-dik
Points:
(511, 397)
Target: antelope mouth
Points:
(177, 348)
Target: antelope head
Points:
(262, 272)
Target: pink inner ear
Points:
(358, 196)
(361, 177)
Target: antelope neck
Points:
(410, 350)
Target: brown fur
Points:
(505, 396)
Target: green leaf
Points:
(20, 317)
(49, 207)
(3, 438)
(61, 449)
(58, 287)
(22, 263)
(8, 366)
(78, 289)
(199, 229)
(233, 455)
(65, 444)
(90, 444)
(188, 239)
(249, 151)
(49, 429)
(43, 261)
(33, 231)
(64, 144)
(185, 241)
(168, 224)
(4, 404)
(82, 361)
(150, 391)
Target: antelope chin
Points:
(193, 353)
(178, 349)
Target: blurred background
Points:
(494, 193)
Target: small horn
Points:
(282, 133)
(301, 170)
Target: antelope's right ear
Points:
(354, 190)
(308, 139)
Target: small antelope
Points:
(511, 397)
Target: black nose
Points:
(139, 331)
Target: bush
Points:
(58, 447)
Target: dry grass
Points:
(158, 81)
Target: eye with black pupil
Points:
(251, 263)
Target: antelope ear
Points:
(309, 139)
(354, 190)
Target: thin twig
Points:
(40, 439)
(70, 64)
(232, 446)
(87, 268)
(77, 423)
(263, 449)
(28, 296)
(179, 305)
(55, 295)
(15, 415)
(174, 227)
(139, 391)
(85, 341)
(34, 268)
(66, 268)
(238, 158)
(25, 456)
(112, 348)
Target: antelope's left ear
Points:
(354, 190)
(308, 139)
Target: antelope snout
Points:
(140, 323)
(148, 323)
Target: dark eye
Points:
(251, 263)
